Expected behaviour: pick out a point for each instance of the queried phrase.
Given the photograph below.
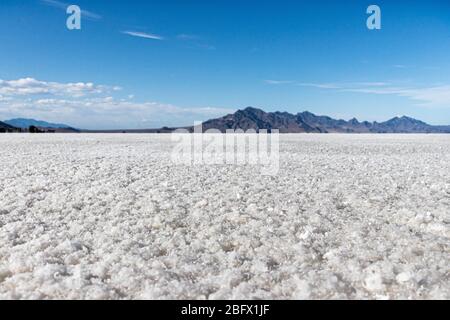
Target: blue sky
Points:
(138, 64)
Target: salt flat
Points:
(109, 217)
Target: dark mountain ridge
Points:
(32, 125)
(257, 119)
(26, 123)
(4, 127)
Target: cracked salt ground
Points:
(108, 217)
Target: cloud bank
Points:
(31, 86)
(430, 96)
(92, 106)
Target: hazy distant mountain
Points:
(4, 127)
(252, 118)
(26, 123)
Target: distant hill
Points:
(4, 127)
(252, 118)
(26, 123)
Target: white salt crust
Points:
(97, 216)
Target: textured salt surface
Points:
(107, 216)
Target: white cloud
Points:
(278, 82)
(2, 98)
(372, 84)
(427, 96)
(319, 85)
(342, 85)
(31, 86)
(188, 37)
(432, 96)
(143, 35)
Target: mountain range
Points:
(253, 118)
(26, 123)
(257, 119)
(23, 125)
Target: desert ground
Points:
(109, 216)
